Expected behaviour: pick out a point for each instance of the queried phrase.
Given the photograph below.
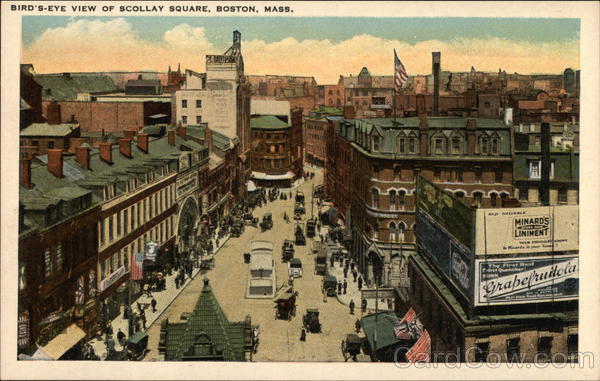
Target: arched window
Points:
(494, 199)
(397, 173)
(484, 144)
(375, 230)
(477, 199)
(392, 199)
(401, 230)
(456, 145)
(401, 199)
(460, 194)
(393, 232)
(375, 198)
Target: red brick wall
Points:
(306, 103)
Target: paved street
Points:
(279, 339)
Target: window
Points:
(494, 199)
(125, 221)
(375, 198)
(35, 143)
(184, 119)
(544, 350)
(482, 351)
(59, 257)
(459, 175)
(118, 223)
(411, 145)
(21, 277)
(134, 214)
(198, 119)
(456, 146)
(103, 270)
(101, 232)
(495, 146)
(397, 173)
(50, 144)
(460, 194)
(110, 228)
(392, 199)
(48, 265)
(375, 143)
(478, 175)
(375, 171)
(393, 235)
(198, 103)
(184, 103)
(126, 258)
(477, 198)
(438, 146)
(513, 350)
(483, 146)
(437, 173)
(534, 169)
(401, 145)
(562, 196)
(524, 194)
(499, 177)
(401, 198)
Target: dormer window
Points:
(375, 141)
(456, 145)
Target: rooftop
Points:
(45, 129)
(267, 122)
(65, 87)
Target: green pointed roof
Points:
(207, 334)
(364, 72)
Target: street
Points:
(279, 339)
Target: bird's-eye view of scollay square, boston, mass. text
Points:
(332, 189)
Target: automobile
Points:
(299, 234)
(311, 226)
(287, 250)
(300, 197)
(351, 346)
(137, 346)
(310, 320)
(329, 285)
(299, 208)
(267, 222)
(321, 262)
(285, 299)
(295, 268)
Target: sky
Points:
(323, 47)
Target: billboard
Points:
(527, 230)
(457, 218)
(449, 255)
(526, 280)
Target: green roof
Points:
(267, 122)
(45, 129)
(207, 334)
(379, 329)
(221, 141)
(66, 88)
(68, 192)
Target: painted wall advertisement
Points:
(451, 257)
(531, 230)
(525, 280)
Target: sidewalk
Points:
(163, 300)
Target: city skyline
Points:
(61, 44)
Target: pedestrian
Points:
(345, 286)
(153, 304)
(144, 321)
(363, 305)
(360, 283)
(331, 260)
(357, 326)
(126, 312)
(177, 282)
(351, 305)
(110, 344)
(142, 314)
(137, 324)
(139, 306)
(339, 287)
(345, 273)
(352, 266)
(303, 335)
(354, 275)
(121, 337)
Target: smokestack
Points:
(142, 142)
(55, 162)
(545, 179)
(106, 152)
(182, 132)
(208, 138)
(125, 147)
(53, 113)
(25, 173)
(436, 60)
(82, 155)
(171, 137)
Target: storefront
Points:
(64, 346)
(274, 181)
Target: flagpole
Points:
(394, 89)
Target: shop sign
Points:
(526, 280)
(112, 278)
(151, 250)
(24, 335)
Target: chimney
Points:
(55, 162)
(139, 77)
(182, 132)
(82, 155)
(423, 135)
(208, 138)
(125, 147)
(171, 137)
(471, 136)
(142, 142)
(25, 173)
(53, 113)
(349, 112)
(105, 151)
(128, 134)
(545, 172)
(436, 60)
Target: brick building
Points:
(331, 95)
(315, 133)
(467, 156)
(461, 270)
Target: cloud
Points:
(95, 45)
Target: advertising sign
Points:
(151, 250)
(450, 257)
(527, 230)
(526, 280)
(24, 337)
(457, 218)
(112, 278)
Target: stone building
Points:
(44, 136)
(483, 295)
(373, 164)
(315, 133)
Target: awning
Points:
(264, 176)
(61, 343)
(251, 186)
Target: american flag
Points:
(421, 350)
(137, 267)
(400, 75)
